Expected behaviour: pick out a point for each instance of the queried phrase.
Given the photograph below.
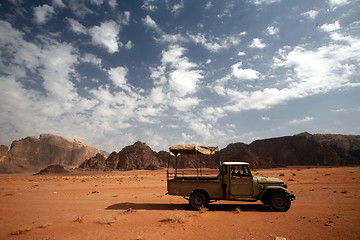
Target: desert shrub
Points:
(107, 220)
(175, 218)
(46, 224)
(203, 209)
(237, 210)
(79, 219)
(21, 230)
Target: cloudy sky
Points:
(111, 72)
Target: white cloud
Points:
(97, 2)
(184, 81)
(56, 81)
(337, 3)
(214, 44)
(58, 3)
(113, 3)
(241, 53)
(148, 21)
(90, 58)
(77, 27)
(202, 129)
(244, 74)
(184, 104)
(271, 30)
(183, 78)
(257, 43)
(106, 35)
(118, 76)
(125, 17)
(157, 96)
(303, 120)
(331, 27)
(149, 5)
(259, 2)
(186, 138)
(129, 45)
(79, 8)
(311, 14)
(177, 7)
(228, 7)
(309, 72)
(208, 5)
(265, 118)
(43, 13)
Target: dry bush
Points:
(129, 210)
(175, 218)
(203, 209)
(107, 220)
(237, 210)
(44, 225)
(21, 230)
(281, 174)
(139, 237)
(79, 219)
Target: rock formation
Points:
(97, 162)
(137, 156)
(301, 149)
(3, 150)
(53, 169)
(32, 153)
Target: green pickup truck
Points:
(234, 181)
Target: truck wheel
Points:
(198, 200)
(280, 202)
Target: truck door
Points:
(241, 183)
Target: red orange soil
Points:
(97, 206)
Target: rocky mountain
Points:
(300, 149)
(32, 153)
(137, 156)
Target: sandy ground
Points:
(133, 205)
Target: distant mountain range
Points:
(31, 154)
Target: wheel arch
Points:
(265, 196)
(201, 191)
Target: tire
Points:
(198, 200)
(280, 202)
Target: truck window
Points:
(223, 170)
(240, 171)
(246, 171)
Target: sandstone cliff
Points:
(301, 149)
(137, 156)
(33, 153)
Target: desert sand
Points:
(133, 205)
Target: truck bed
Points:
(184, 186)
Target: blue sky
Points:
(109, 73)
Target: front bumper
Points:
(291, 196)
